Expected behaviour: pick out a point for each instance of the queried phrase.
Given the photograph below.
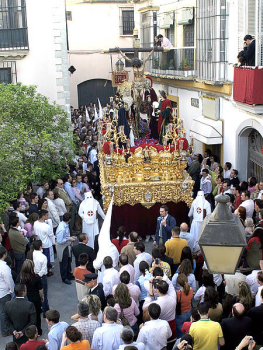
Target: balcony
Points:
(13, 43)
(177, 63)
(248, 88)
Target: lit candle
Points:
(111, 147)
(181, 144)
(108, 127)
(164, 142)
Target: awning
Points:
(207, 130)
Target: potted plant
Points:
(163, 66)
(155, 63)
(186, 64)
(171, 65)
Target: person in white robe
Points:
(200, 208)
(89, 210)
(106, 248)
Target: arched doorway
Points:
(255, 156)
(249, 152)
(91, 90)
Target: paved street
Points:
(62, 297)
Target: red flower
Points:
(185, 144)
(106, 147)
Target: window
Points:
(13, 27)
(7, 72)
(126, 21)
(212, 39)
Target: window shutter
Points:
(241, 24)
(251, 13)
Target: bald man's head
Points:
(184, 227)
(238, 310)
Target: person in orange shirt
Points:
(175, 245)
(75, 337)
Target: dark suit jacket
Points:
(83, 248)
(249, 52)
(234, 331)
(100, 293)
(19, 314)
(256, 315)
(166, 231)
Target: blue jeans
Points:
(2, 313)
(179, 321)
(19, 259)
(45, 305)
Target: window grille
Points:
(13, 26)
(212, 39)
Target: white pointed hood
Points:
(87, 115)
(106, 248)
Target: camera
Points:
(155, 281)
(250, 340)
(185, 345)
(157, 261)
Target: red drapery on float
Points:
(142, 220)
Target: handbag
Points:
(124, 320)
(178, 306)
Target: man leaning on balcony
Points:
(249, 50)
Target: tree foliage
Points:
(35, 139)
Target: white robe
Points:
(197, 211)
(90, 224)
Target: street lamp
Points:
(119, 65)
(222, 238)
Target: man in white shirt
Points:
(40, 269)
(251, 280)
(227, 170)
(110, 276)
(247, 203)
(107, 337)
(226, 187)
(22, 218)
(166, 301)
(258, 299)
(6, 287)
(139, 249)
(45, 234)
(154, 333)
(125, 266)
(189, 237)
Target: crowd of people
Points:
(127, 298)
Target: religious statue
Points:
(139, 84)
(165, 109)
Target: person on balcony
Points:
(249, 49)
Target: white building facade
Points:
(33, 47)
(207, 35)
(92, 27)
